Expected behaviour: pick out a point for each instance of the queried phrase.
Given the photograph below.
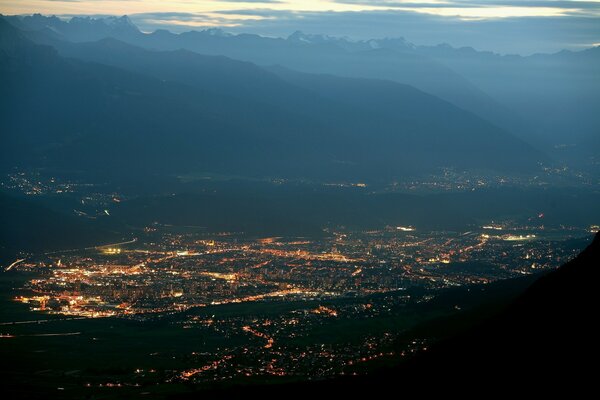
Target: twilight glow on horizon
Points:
(550, 24)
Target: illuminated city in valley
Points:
(171, 272)
(268, 306)
(200, 306)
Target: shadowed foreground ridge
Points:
(545, 340)
(548, 331)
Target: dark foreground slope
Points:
(549, 332)
(545, 341)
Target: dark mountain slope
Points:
(300, 52)
(104, 118)
(557, 93)
(549, 331)
(406, 107)
(322, 97)
(547, 99)
(218, 74)
(28, 226)
(98, 117)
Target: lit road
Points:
(13, 264)
(9, 336)
(40, 321)
(93, 247)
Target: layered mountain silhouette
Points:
(307, 53)
(556, 93)
(113, 107)
(80, 29)
(545, 99)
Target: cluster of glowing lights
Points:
(519, 238)
(226, 13)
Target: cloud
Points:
(182, 21)
(562, 4)
(487, 9)
(523, 35)
(253, 1)
(506, 26)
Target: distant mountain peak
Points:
(347, 43)
(83, 28)
(301, 37)
(162, 33)
(40, 17)
(218, 32)
(122, 21)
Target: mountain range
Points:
(545, 99)
(113, 107)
